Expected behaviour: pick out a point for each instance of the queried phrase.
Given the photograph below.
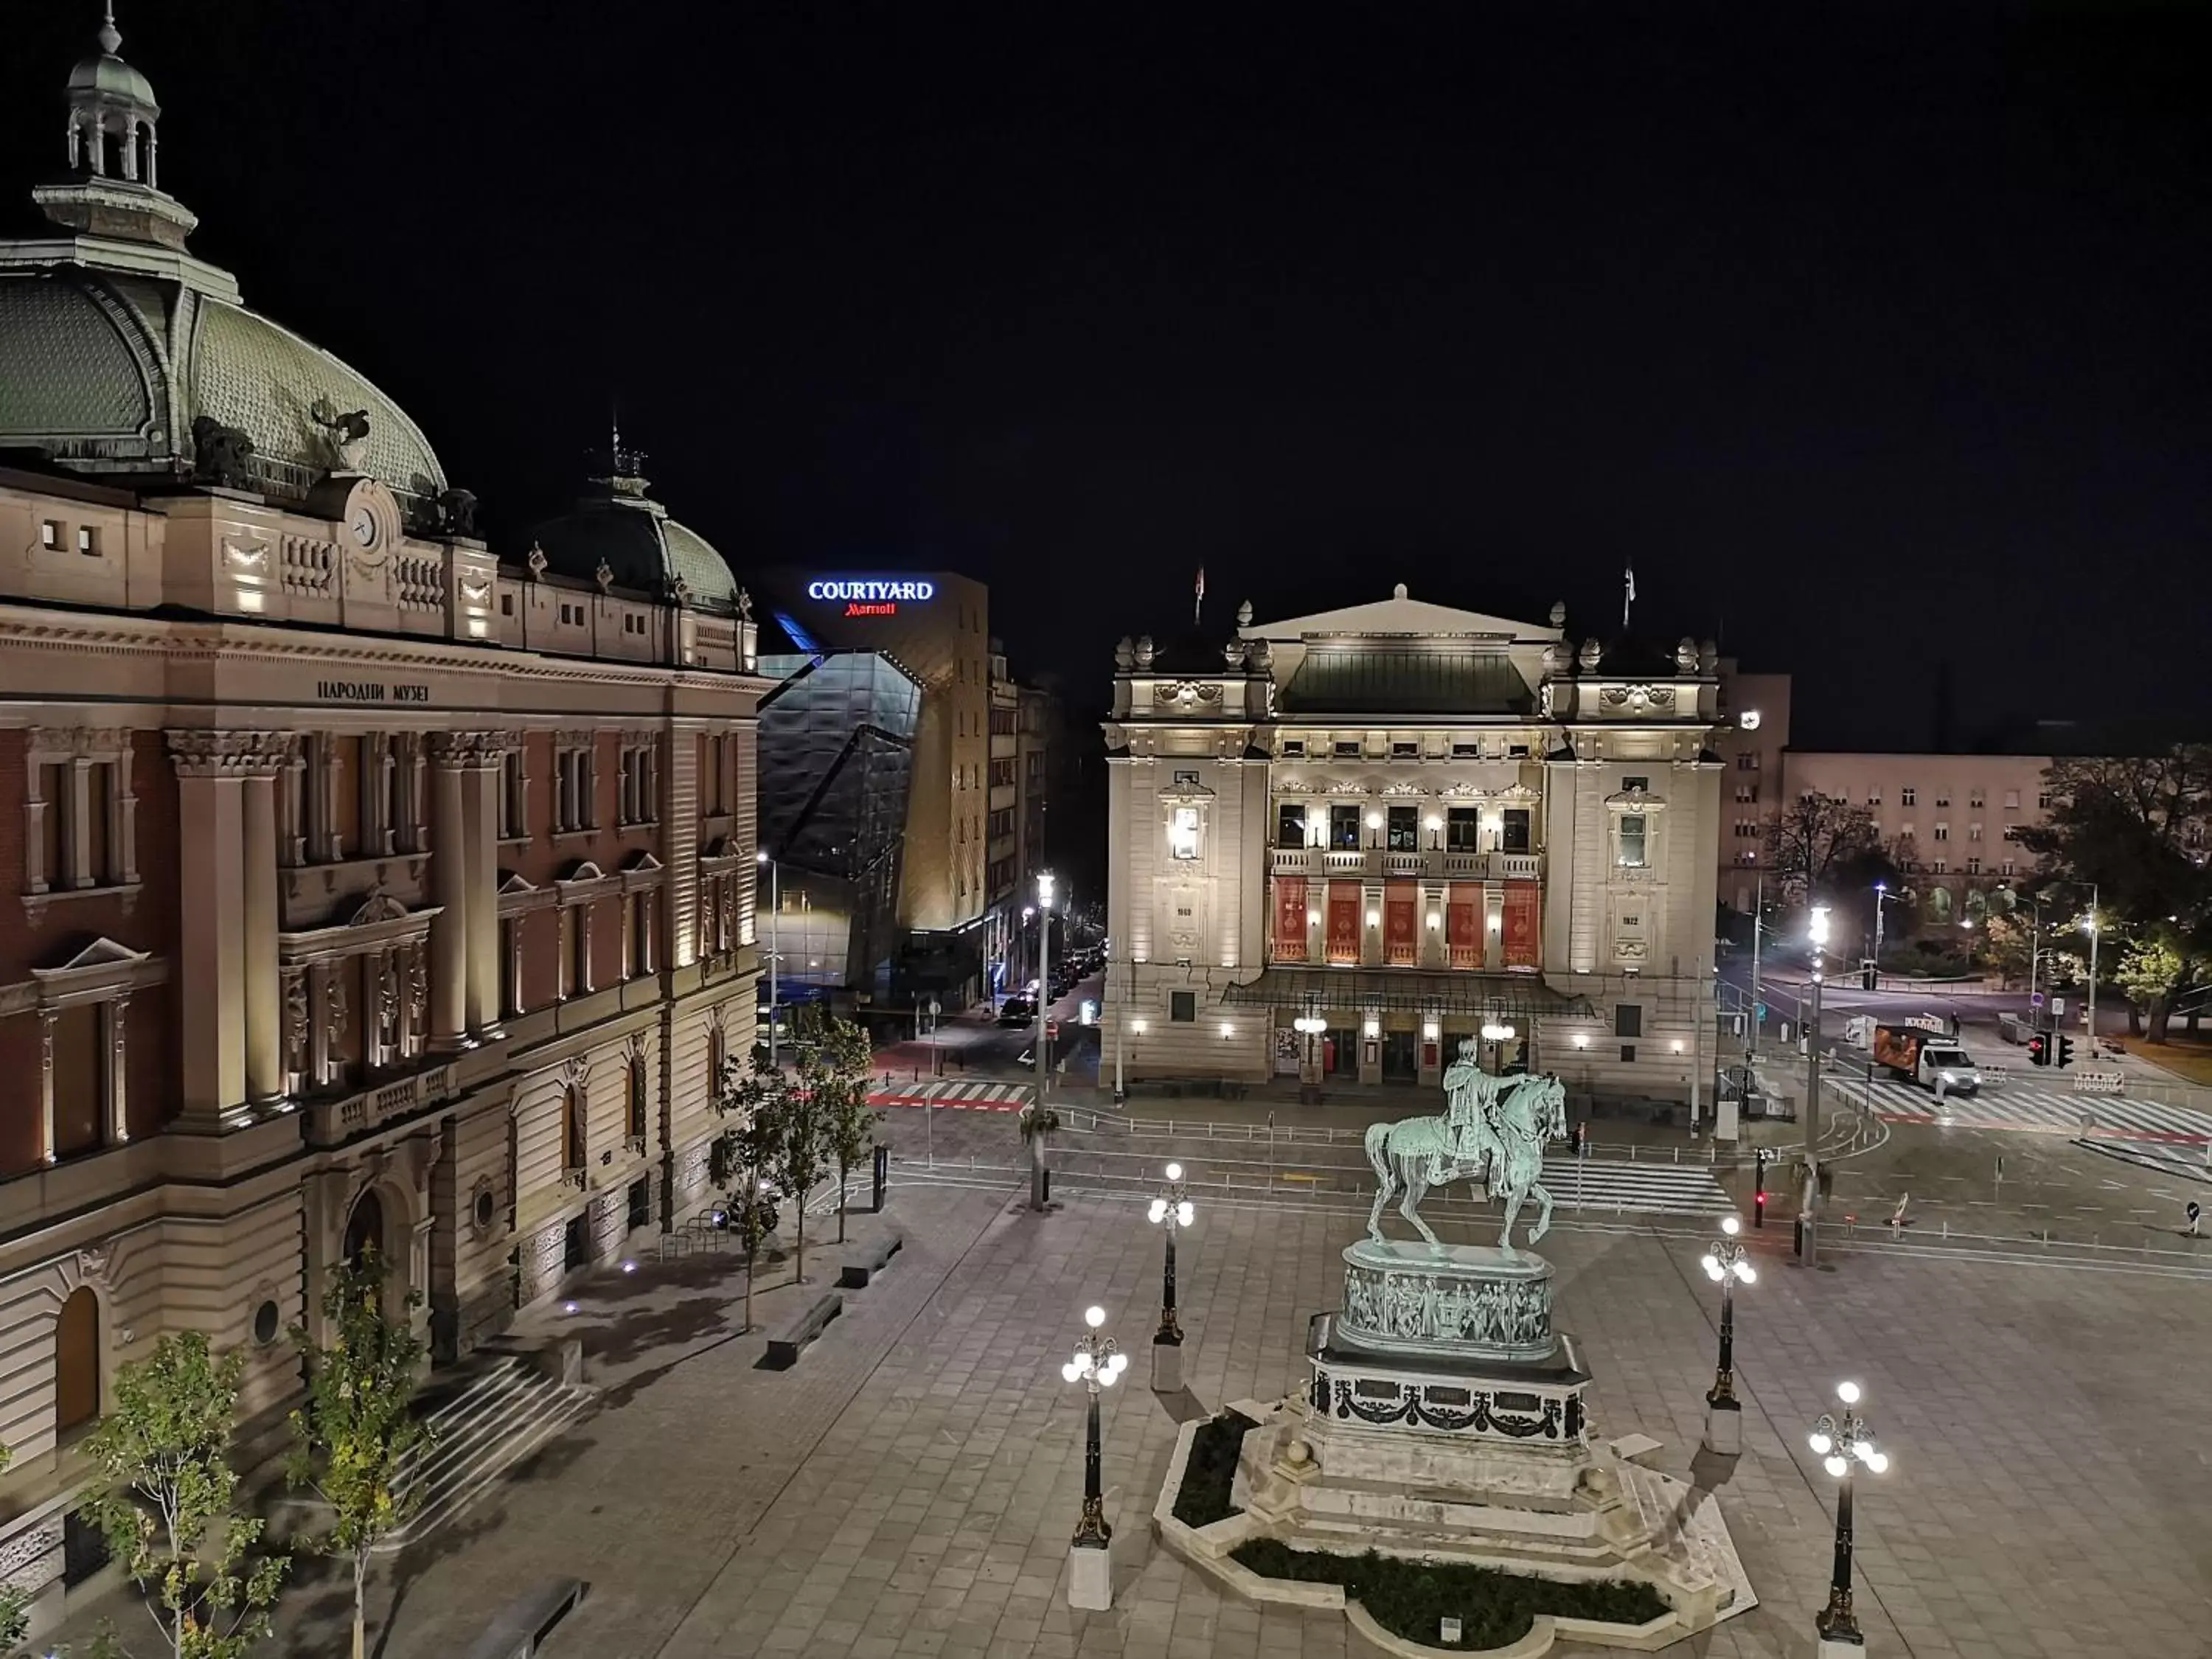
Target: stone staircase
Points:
(492, 1418)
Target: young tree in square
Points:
(834, 1069)
(757, 1097)
(799, 1153)
(169, 1497)
(358, 1430)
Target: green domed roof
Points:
(644, 547)
(110, 74)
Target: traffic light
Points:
(2038, 1050)
(2065, 1056)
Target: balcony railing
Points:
(1432, 862)
(333, 1122)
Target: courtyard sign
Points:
(871, 596)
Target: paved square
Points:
(908, 1489)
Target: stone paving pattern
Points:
(908, 1489)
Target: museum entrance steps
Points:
(487, 1419)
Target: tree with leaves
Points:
(14, 1604)
(167, 1508)
(834, 1069)
(2136, 829)
(799, 1153)
(2007, 945)
(358, 1430)
(757, 1096)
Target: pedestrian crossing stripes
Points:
(1595, 1184)
(966, 1097)
(2029, 1110)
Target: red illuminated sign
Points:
(856, 609)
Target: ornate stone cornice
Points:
(468, 747)
(200, 752)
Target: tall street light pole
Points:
(1727, 1264)
(1808, 1209)
(1045, 983)
(2089, 926)
(774, 938)
(1751, 1021)
(1842, 1442)
(1172, 1210)
(1098, 1364)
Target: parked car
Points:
(1017, 1011)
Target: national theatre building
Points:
(1341, 845)
(359, 886)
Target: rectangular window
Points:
(79, 1081)
(1401, 750)
(2012, 832)
(1908, 796)
(514, 797)
(1939, 867)
(1290, 918)
(2006, 868)
(1290, 825)
(1467, 748)
(1973, 832)
(507, 604)
(1294, 748)
(1747, 762)
(50, 535)
(1942, 798)
(2043, 799)
(1405, 830)
(1182, 833)
(1974, 798)
(54, 784)
(1632, 854)
(2012, 800)
(1182, 1006)
(1344, 828)
(1517, 752)
(1873, 798)
(1628, 1019)
(87, 540)
(98, 790)
(1347, 749)
(1627, 1052)
(1516, 829)
(1462, 828)
(1973, 866)
(1942, 832)
(1746, 793)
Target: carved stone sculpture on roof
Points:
(744, 605)
(344, 434)
(1559, 613)
(604, 576)
(221, 454)
(1685, 655)
(537, 561)
(1145, 650)
(1125, 653)
(1593, 652)
(1244, 614)
(456, 512)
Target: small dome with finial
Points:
(108, 75)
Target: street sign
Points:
(2035, 999)
(2057, 1007)
(1762, 1013)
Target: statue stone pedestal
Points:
(1723, 1427)
(1166, 1367)
(1090, 1578)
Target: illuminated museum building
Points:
(1404, 826)
(363, 888)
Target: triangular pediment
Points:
(1404, 615)
(513, 882)
(102, 952)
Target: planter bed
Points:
(1408, 1598)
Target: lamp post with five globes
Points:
(1098, 1363)
(1727, 1264)
(1842, 1442)
(1171, 1210)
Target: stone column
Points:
(480, 832)
(264, 1021)
(210, 970)
(449, 869)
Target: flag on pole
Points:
(1200, 599)
(1628, 596)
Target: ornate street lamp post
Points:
(1808, 1211)
(1727, 1264)
(1098, 1363)
(1171, 1210)
(1843, 1441)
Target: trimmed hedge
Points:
(1210, 1470)
(1408, 1598)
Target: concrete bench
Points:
(784, 1344)
(855, 1275)
(529, 1620)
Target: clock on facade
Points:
(363, 525)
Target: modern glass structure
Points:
(836, 766)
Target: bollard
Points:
(883, 1172)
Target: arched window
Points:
(365, 1227)
(76, 1363)
(572, 1128)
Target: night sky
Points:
(1877, 335)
